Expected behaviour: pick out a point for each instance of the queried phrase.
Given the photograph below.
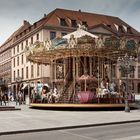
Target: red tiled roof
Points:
(18, 31)
(92, 19)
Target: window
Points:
(32, 71)
(37, 70)
(63, 34)
(73, 23)
(14, 63)
(18, 73)
(22, 60)
(27, 42)
(138, 71)
(14, 51)
(37, 36)
(22, 73)
(63, 22)
(52, 35)
(18, 48)
(32, 40)
(84, 23)
(26, 72)
(14, 75)
(132, 74)
(18, 61)
(22, 46)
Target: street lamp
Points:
(126, 65)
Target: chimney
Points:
(79, 10)
(45, 15)
(25, 22)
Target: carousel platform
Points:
(81, 106)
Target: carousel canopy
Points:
(81, 43)
(86, 77)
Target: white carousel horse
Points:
(102, 91)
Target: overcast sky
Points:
(13, 12)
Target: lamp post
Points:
(126, 65)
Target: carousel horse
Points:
(50, 97)
(53, 97)
(102, 92)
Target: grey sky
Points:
(13, 12)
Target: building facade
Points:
(18, 69)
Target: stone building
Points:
(18, 69)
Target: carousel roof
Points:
(84, 44)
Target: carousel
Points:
(83, 69)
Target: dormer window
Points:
(129, 30)
(24, 31)
(73, 23)
(52, 35)
(84, 23)
(20, 34)
(63, 22)
(108, 25)
(120, 29)
(29, 28)
(63, 34)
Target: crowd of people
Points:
(8, 96)
(42, 93)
